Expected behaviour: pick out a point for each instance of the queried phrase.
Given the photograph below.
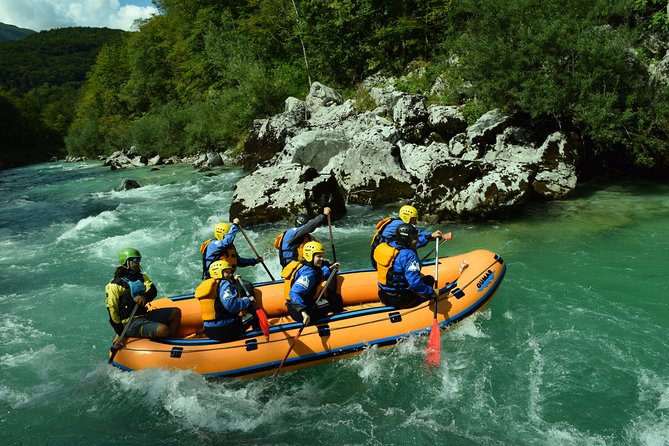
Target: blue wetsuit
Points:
(406, 287)
(294, 237)
(225, 248)
(388, 233)
(228, 324)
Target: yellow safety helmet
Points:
(216, 268)
(310, 249)
(221, 229)
(407, 212)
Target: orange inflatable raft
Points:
(365, 322)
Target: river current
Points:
(573, 349)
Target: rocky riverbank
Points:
(321, 150)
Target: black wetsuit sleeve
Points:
(151, 293)
(308, 228)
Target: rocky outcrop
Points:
(127, 159)
(295, 189)
(402, 152)
(129, 183)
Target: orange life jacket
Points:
(384, 256)
(207, 294)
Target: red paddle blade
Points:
(433, 353)
(262, 320)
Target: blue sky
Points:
(40, 15)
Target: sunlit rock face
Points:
(321, 150)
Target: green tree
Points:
(573, 61)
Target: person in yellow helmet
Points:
(222, 247)
(131, 287)
(221, 303)
(305, 279)
(387, 228)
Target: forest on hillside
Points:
(195, 77)
(41, 77)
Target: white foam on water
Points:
(565, 435)
(141, 238)
(451, 378)
(8, 297)
(664, 400)
(145, 193)
(470, 327)
(16, 330)
(369, 365)
(536, 374)
(216, 199)
(13, 397)
(430, 419)
(92, 224)
(649, 430)
(26, 357)
(195, 402)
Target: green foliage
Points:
(472, 110)
(363, 100)
(570, 60)
(11, 32)
(195, 77)
(55, 57)
(25, 140)
(44, 72)
(653, 13)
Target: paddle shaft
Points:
(260, 314)
(113, 348)
(255, 252)
(436, 278)
(290, 349)
(299, 332)
(433, 356)
(334, 253)
(439, 241)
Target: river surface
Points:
(573, 349)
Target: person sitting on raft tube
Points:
(221, 303)
(401, 284)
(386, 229)
(131, 287)
(303, 282)
(290, 243)
(222, 247)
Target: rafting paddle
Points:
(299, 332)
(260, 314)
(433, 354)
(254, 251)
(334, 254)
(439, 242)
(113, 349)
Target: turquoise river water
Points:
(573, 349)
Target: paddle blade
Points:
(112, 351)
(433, 353)
(290, 349)
(262, 320)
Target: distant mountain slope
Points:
(54, 57)
(11, 32)
(40, 80)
